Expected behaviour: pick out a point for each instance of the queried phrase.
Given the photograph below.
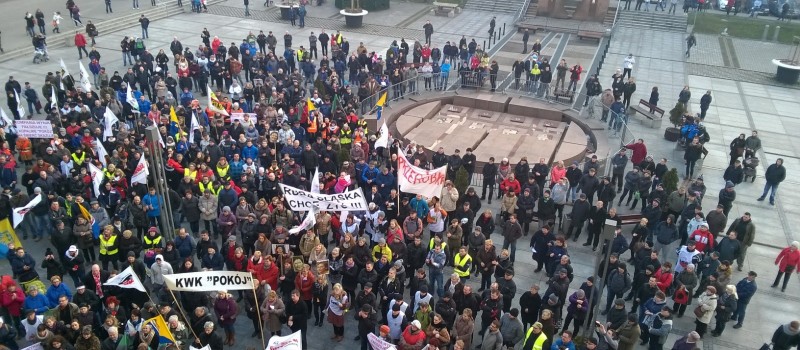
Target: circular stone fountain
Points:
(789, 68)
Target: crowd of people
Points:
(387, 263)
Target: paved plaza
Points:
(738, 107)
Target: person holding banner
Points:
(297, 317)
(208, 338)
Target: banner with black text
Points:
(209, 281)
(300, 200)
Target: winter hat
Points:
(226, 208)
(729, 184)
(581, 294)
(553, 299)
(796, 244)
(416, 323)
(693, 337)
(619, 301)
(385, 329)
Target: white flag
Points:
(315, 181)
(290, 342)
(141, 172)
(86, 84)
(19, 213)
(383, 140)
(131, 100)
(308, 222)
(53, 98)
(20, 108)
(160, 138)
(6, 120)
(194, 126)
(126, 279)
(101, 153)
(64, 68)
(97, 178)
(109, 119)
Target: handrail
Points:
(616, 14)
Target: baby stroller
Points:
(750, 166)
(39, 55)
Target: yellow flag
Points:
(162, 329)
(382, 100)
(310, 105)
(7, 234)
(173, 117)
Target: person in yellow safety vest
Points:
(362, 123)
(437, 240)
(381, 249)
(109, 248)
(109, 171)
(345, 135)
(191, 171)
(300, 53)
(222, 168)
(534, 338)
(79, 156)
(207, 184)
(463, 263)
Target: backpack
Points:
(139, 44)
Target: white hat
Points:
(416, 323)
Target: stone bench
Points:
(445, 9)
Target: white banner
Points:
(378, 343)
(251, 118)
(383, 140)
(420, 181)
(290, 342)
(141, 172)
(19, 213)
(209, 281)
(35, 129)
(300, 200)
(37, 346)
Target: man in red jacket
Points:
(80, 43)
(639, 151)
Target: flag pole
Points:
(180, 308)
(258, 313)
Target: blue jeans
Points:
(144, 33)
(513, 248)
(126, 58)
(738, 315)
(444, 80)
(772, 188)
(40, 226)
(435, 279)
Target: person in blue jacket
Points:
(152, 203)
(56, 290)
(369, 175)
(36, 301)
(563, 342)
(746, 288)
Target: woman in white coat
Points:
(704, 311)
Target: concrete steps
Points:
(106, 28)
(495, 6)
(651, 20)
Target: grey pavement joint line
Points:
(411, 19)
(787, 230)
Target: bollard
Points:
(766, 31)
(484, 43)
(775, 35)
(504, 29)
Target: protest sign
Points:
(420, 181)
(300, 200)
(290, 342)
(209, 281)
(35, 129)
(378, 343)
